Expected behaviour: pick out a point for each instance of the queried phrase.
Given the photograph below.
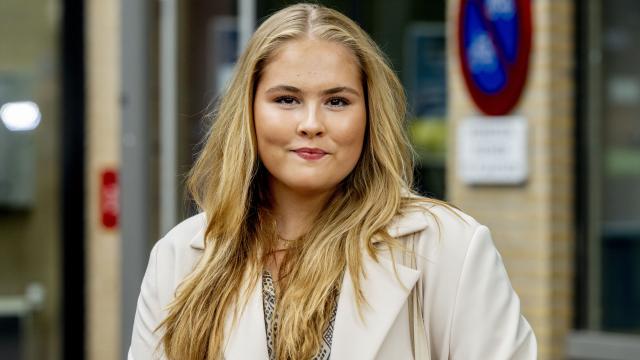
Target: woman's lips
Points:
(310, 153)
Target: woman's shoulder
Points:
(442, 230)
(183, 244)
(188, 233)
(465, 285)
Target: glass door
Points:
(608, 157)
(607, 296)
(620, 168)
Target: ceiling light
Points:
(20, 116)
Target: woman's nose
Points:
(312, 124)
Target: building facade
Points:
(123, 96)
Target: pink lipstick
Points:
(310, 153)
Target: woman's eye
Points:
(338, 102)
(287, 100)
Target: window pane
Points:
(620, 190)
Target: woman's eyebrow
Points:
(293, 89)
(340, 89)
(287, 88)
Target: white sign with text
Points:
(493, 150)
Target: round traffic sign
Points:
(494, 43)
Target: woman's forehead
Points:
(308, 61)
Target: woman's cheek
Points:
(277, 127)
(350, 131)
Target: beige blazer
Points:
(470, 309)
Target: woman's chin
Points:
(311, 186)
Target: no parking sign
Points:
(494, 43)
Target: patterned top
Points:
(269, 304)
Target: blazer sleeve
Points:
(144, 339)
(486, 322)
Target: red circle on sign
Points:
(504, 100)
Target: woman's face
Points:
(310, 115)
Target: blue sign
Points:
(494, 42)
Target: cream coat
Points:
(470, 309)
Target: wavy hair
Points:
(228, 183)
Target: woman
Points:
(308, 218)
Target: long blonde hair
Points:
(228, 183)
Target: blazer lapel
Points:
(248, 338)
(361, 338)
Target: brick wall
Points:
(532, 224)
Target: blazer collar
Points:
(401, 225)
(407, 223)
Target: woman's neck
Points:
(295, 211)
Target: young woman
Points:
(311, 243)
